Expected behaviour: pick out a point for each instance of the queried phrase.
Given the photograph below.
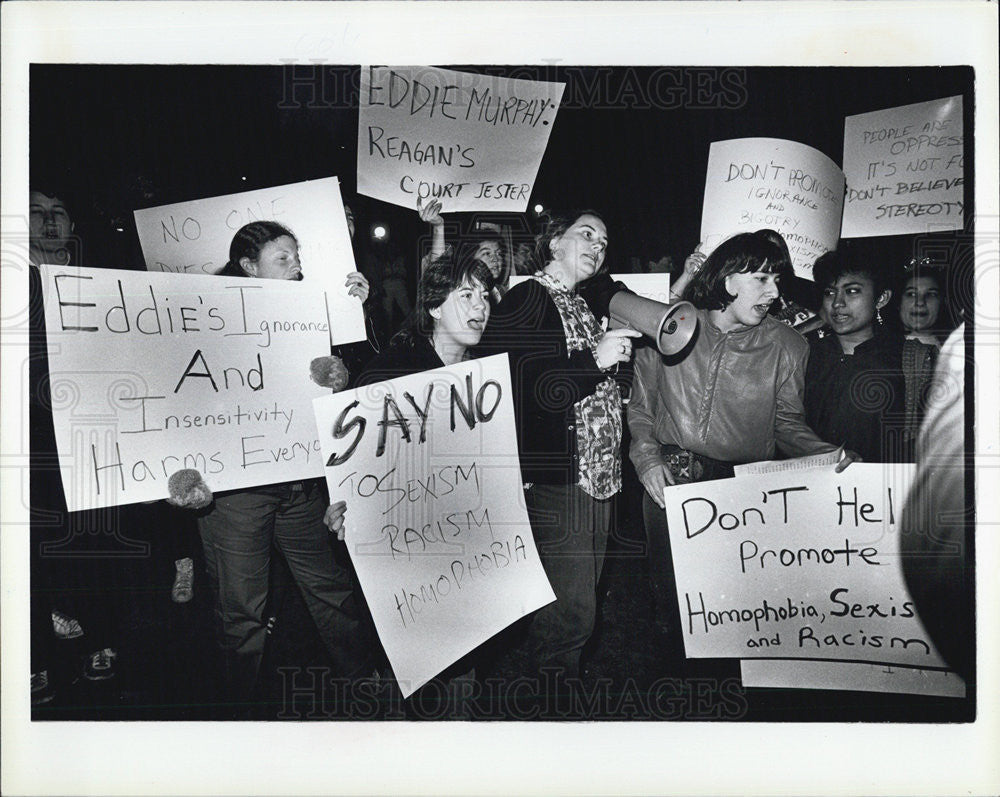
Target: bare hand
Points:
(357, 285)
(654, 480)
(694, 261)
(849, 457)
(334, 518)
(615, 347)
(431, 212)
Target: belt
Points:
(687, 466)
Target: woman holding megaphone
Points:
(569, 422)
(733, 399)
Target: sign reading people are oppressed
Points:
(194, 237)
(154, 372)
(473, 141)
(436, 525)
(796, 565)
(757, 183)
(904, 169)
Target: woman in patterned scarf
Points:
(569, 421)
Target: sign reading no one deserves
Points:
(436, 524)
(473, 141)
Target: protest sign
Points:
(796, 565)
(153, 372)
(757, 183)
(194, 237)
(851, 676)
(436, 523)
(904, 169)
(474, 142)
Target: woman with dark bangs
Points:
(734, 398)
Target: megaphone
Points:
(671, 326)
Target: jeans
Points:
(661, 566)
(571, 534)
(237, 534)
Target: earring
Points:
(878, 316)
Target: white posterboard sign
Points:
(904, 169)
(852, 676)
(796, 565)
(473, 141)
(757, 183)
(436, 524)
(193, 238)
(153, 372)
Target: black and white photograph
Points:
(604, 396)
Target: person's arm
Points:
(692, 265)
(431, 213)
(791, 432)
(644, 450)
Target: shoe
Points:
(100, 665)
(183, 589)
(66, 627)
(41, 688)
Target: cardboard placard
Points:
(904, 169)
(796, 565)
(770, 183)
(194, 237)
(153, 372)
(473, 141)
(436, 523)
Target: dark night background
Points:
(630, 142)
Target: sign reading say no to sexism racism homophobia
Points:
(796, 565)
(436, 523)
(473, 141)
(151, 373)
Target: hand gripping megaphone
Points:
(671, 326)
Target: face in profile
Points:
(463, 315)
(581, 248)
(920, 304)
(278, 260)
(754, 291)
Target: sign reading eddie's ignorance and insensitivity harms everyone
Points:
(193, 237)
(154, 372)
(758, 183)
(436, 524)
(904, 169)
(473, 141)
(796, 565)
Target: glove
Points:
(329, 371)
(188, 490)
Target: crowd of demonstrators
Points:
(747, 388)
